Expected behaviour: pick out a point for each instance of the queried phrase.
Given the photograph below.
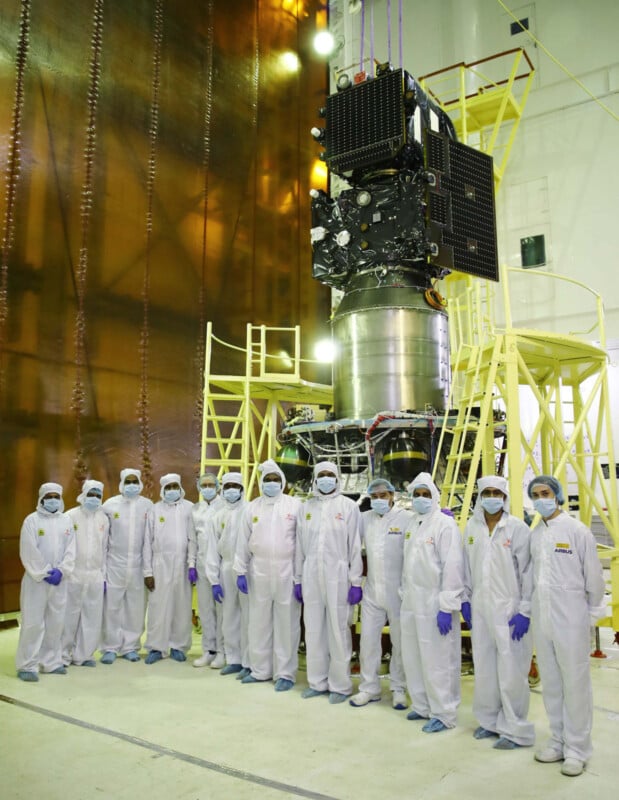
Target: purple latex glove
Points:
(521, 626)
(443, 620)
(192, 575)
(218, 593)
(54, 576)
(104, 587)
(241, 584)
(448, 512)
(298, 592)
(355, 593)
(465, 610)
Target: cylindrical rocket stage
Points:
(392, 349)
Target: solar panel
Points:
(460, 207)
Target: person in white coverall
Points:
(85, 586)
(328, 571)
(498, 560)
(47, 552)
(383, 530)
(125, 598)
(432, 591)
(568, 597)
(223, 532)
(264, 564)
(209, 611)
(169, 572)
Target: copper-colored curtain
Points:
(156, 166)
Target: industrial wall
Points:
(156, 168)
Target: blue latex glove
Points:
(298, 592)
(521, 626)
(218, 593)
(443, 620)
(54, 576)
(355, 593)
(465, 610)
(192, 575)
(241, 583)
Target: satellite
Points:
(415, 205)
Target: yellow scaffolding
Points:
(564, 375)
(484, 105)
(243, 410)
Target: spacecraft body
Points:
(414, 204)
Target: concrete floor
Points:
(171, 731)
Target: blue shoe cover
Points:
(153, 657)
(434, 726)
(230, 669)
(131, 656)
(483, 733)
(283, 685)
(26, 675)
(109, 657)
(503, 743)
(309, 692)
(177, 655)
(337, 697)
(243, 673)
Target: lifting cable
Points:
(370, 71)
(399, 31)
(78, 397)
(206, 159)
(144, 399)
(12, 174)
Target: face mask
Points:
(232, 495)
(326, 484)
(131, 489)
(492, 504)
(208, 492)
(271, 488)
(52, 504)
(92, 502)
(380, 505)
(422, 504)
(171, 495)
(546, 506)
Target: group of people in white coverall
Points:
(257, 563)
(502, 576)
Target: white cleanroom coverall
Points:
(169, 552)
(568, 597)
(265, 554)
(211, 613)
(328, 563)
(84, 611)
(497, 567)
(383, 537)
(46, 542)
(432, 581)
(124, 604)
(223, 531)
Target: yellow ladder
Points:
(226, 415)
(472, 436)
